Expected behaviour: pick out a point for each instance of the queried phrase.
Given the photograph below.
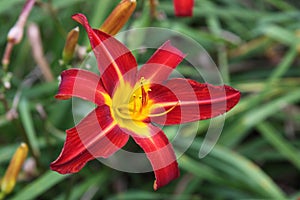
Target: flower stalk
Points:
(37, 51)
(15, 34)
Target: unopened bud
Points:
(183, 8)
(119, 16)
(9, 180)
(70, 45)
(153, 6)
(15, 34)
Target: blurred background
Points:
(255, 44)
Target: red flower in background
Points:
(183, 8)
(128, 101)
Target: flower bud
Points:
(70, 45)
(153, 6)
(15, 34)
(119, 16)
(183, 8)
(9, 180)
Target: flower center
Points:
(139, 104)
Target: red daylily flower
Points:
(183, 8)
(128, 101)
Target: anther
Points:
(142, 80)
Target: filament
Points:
(165, 112)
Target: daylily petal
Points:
(83, 84)
(158, 68)
(97, 135)
(161, 155)
(183, 8)
(188, 101)
(115, 62)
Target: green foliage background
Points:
(256, 45)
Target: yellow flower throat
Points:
(134, 103)
(130, 106)
(138, 104)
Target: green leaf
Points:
(39, 186)
(5, 6)
(262, 183)
(251, 118)
(280, 34)
(275, 138)
(28, 124)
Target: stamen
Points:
(138, 107)
(134, 102)
(164, 113)
(141, 97)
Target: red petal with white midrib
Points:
(161, 155)
(115, 61)
(96, 135)
(193, 101)
(161, 64)
(81, 83)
